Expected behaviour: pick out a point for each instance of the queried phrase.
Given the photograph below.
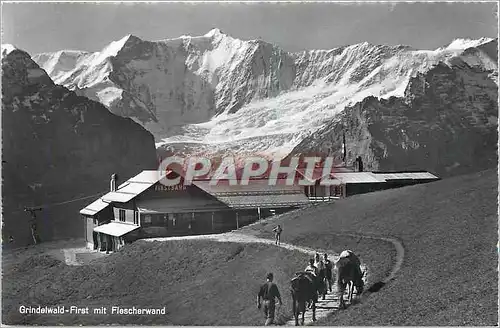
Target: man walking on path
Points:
(312, 268)
(328, 271)
(318, 263)
(277, 230)
(268, 292)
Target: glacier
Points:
(214, 94)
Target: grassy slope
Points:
(449, 230)
(379, 256)
(199, 282)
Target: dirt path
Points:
(64, 250)
(400, 251)
(67, 252)
(323, 307)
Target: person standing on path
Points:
(34, 234)
(277, 231)
(328, 271)
(318, 262)
(311, 268)
(320, 266)
(268, 292)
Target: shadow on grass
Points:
(376, 287)
(235, 253)
(281, 318)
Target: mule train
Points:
(348, 273)
(306, 287)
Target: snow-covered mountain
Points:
(445, 123)
(216, 94)
(58, 147)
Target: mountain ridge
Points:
(57, 148)
(214, 94)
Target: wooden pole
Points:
(191, 223)
(212, 221)
(237, 222)
(87, 241)
(33, 223)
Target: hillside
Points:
(199, 283)
(57, 147)
(192, 279)
(449, 230)
(448, 277)
(215, 94)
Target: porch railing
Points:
(323, 198)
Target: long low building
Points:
(348, 183)
(143, 207)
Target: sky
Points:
(43, 27)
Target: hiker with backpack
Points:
(269, 292)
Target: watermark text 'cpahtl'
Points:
(302, 171)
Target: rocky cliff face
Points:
(58, 146)
(217, 95)
(446, 123)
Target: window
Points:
(136, 218)
(172, 219)
(121, 213)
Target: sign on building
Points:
(160, 187)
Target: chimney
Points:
(113, 182)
